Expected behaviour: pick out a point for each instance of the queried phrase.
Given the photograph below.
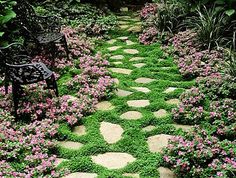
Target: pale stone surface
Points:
(138, 103)
(123, 93)
(166, 173)
(141, 89)
(123, 38)
(160, 113)
(131, 175)
(117, 57)
(135, 29)
(116, 80)
(59, 161)
(170, 89)
(114, 48)
(185, 128)
(165, 68)
(104, 106)
(122, 22)
(138, 23)
(128, 42)
(111, 133)
(144, 80)
(121, 71)
(124, 17)
(80, 130)
(71, 145)
(139, 65)
(158, 142)
(113, 160)
(173, 101)
(124, 26)
(112, 41)
(131, 115)
(131, 51)
(124, 9)
(136, 58)
(81, 175)
(149, 128)
(117, 63)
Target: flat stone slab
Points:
(141, 89)
(173, 101)
(113, 160)
(114, 48)
(170, 89)
(135, 29)
(131, 115)
(124, 26)
(121, 71)
(123, 22)
(149, 128)
(111, 133)
(128, 42)
(59, 161)
(118, 63)
(161, 113)
(138, 103)
(104, 106)
(131, 175)
(124, 9)
(137, 59)
(166, 173)
(112, 41)
(79, 130)
(117, 57)
(139, 65)
(123, 38)
(185, 128)
(123, 93)
(81, 175)
(131, 51)
(144, 80)
(71, 145)
(116, 80)
(157, 142)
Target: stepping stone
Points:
(111, 133)
(136, 58)
(124, 26)
(166, 173)
(123, 93)
(81, 175)
(165, 68)
(113, 160)
(123, 38)
(117, 63)
(138, 23)
(116, 80)
(117, 57)
(141, 89)
(121, 71)
(79, 130)
(59, 161)
(135, 29)
(130, 175)
(122, 22)
(144, 80)
(131, 51)
(112, 41)
(131, 115)
(185, 128)
(138, 103)
(114, 48)
(161, 113)
(128, 42)
(104, 106)
(158, 142)
(170, 89)
(124, 9)
(139, 65)
(71, 145)
(173, 101)
(148, 128)
(124, 17)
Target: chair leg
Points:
(15, 98)
(66, 47)
(55, 87)
(6, 84)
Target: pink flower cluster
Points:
(148, 10)
(149, 36)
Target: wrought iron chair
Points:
(19, 70)
(44, 31)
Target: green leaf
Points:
(1, 34)
(230, 12)
(8, 15)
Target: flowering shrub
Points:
(148, 36)
(201, 155)
(148, 10)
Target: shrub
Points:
(149, 10)
(149, 36)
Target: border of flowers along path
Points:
(132, 135)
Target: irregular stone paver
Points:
(117, 57)
(160, 113)
(185, 128)
(121, 71)
(131, 51)
(136, 58)
(128, 42)
(141, 89)
(131, 115)
(166, 173)
(116, 80)
(139, 65)
(157, 142)
(114, 48)
(135, 29)
(112, 133)
(123, 38)
(71, 145)
(138, 103)
(113, 160)
(170, 89)
(123, 93)
(124, 26)
(124, 9)
(104, 106)
(80, 130)
(123, 23)
(124, 17)
(149, 128)
(144, 80)
(117, 63)
(173, 101)
(81, 175)
(112, 41)
(165, 68)
(59, 161)
(131, 175)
